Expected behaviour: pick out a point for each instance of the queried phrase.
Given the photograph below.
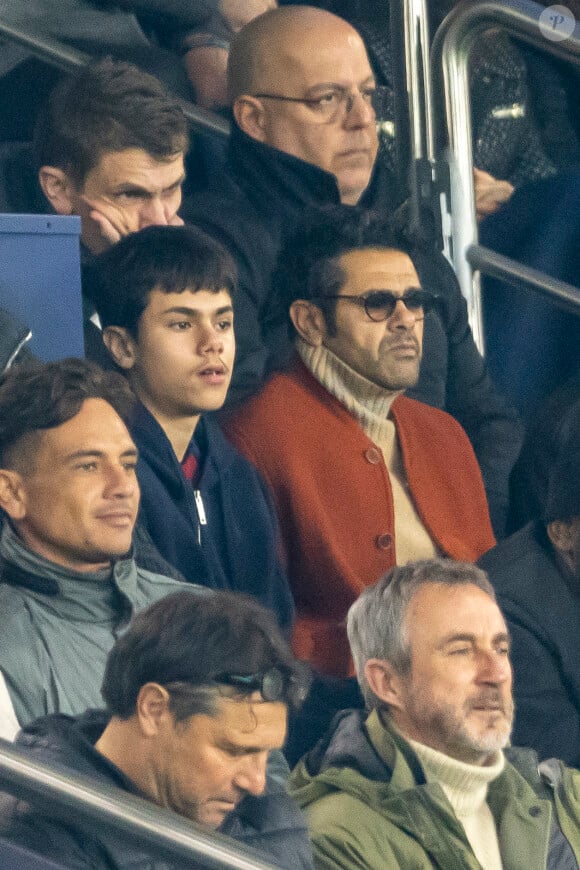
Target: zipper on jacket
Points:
(200, 513)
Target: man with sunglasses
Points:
(363, 477)
(197, 693)
(304, 136)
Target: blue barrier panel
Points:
(40, 280)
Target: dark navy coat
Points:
(237, 547)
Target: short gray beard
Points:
(459, 741)
(464, 745)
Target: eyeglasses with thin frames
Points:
(379, 305)
(334, 102)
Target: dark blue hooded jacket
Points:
(237, 547)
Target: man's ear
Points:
(384, 682)
(250, 117)
(309, 321)
(12, 494)
(152, 708)
(121, 345)
(560, 534)
(57, 188)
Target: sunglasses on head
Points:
(273, 684)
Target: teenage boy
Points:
(164, 297)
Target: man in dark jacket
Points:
(304, 135)
(197, 693)
(422, 780)
(556, 423)
(164, 297)
(536, 575)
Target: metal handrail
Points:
(62, 56)
(409, 34)
(496, 265)
(143, 821)
(449, 64)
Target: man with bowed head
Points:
(197, 693)
(110, 145)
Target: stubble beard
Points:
(457, 736)
(403, 375)
(399, 381)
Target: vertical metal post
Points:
(413, 112)
(451, 50)
(462, 229)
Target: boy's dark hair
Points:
(171, 259)
(37, 396)
(308, 264)
(190, 642)
(107, 106)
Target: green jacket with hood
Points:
(369, 806)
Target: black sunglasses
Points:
(380, 304)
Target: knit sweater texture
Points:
(465, 787)
(370, 404)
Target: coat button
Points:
(384, 542)
(535, 812)
(373, 455)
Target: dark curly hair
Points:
(308, 265)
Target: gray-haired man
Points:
(422, 780)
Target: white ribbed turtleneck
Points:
(370, 404)
(465, 786)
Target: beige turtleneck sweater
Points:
(465, 786)
(370, 405)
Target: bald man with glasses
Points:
(303, 98)
(363, 477)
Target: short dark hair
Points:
(171, 259)
(190, 638)
(37, 396)
(107, 106)
(308, 264)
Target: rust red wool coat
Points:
(334, 501)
